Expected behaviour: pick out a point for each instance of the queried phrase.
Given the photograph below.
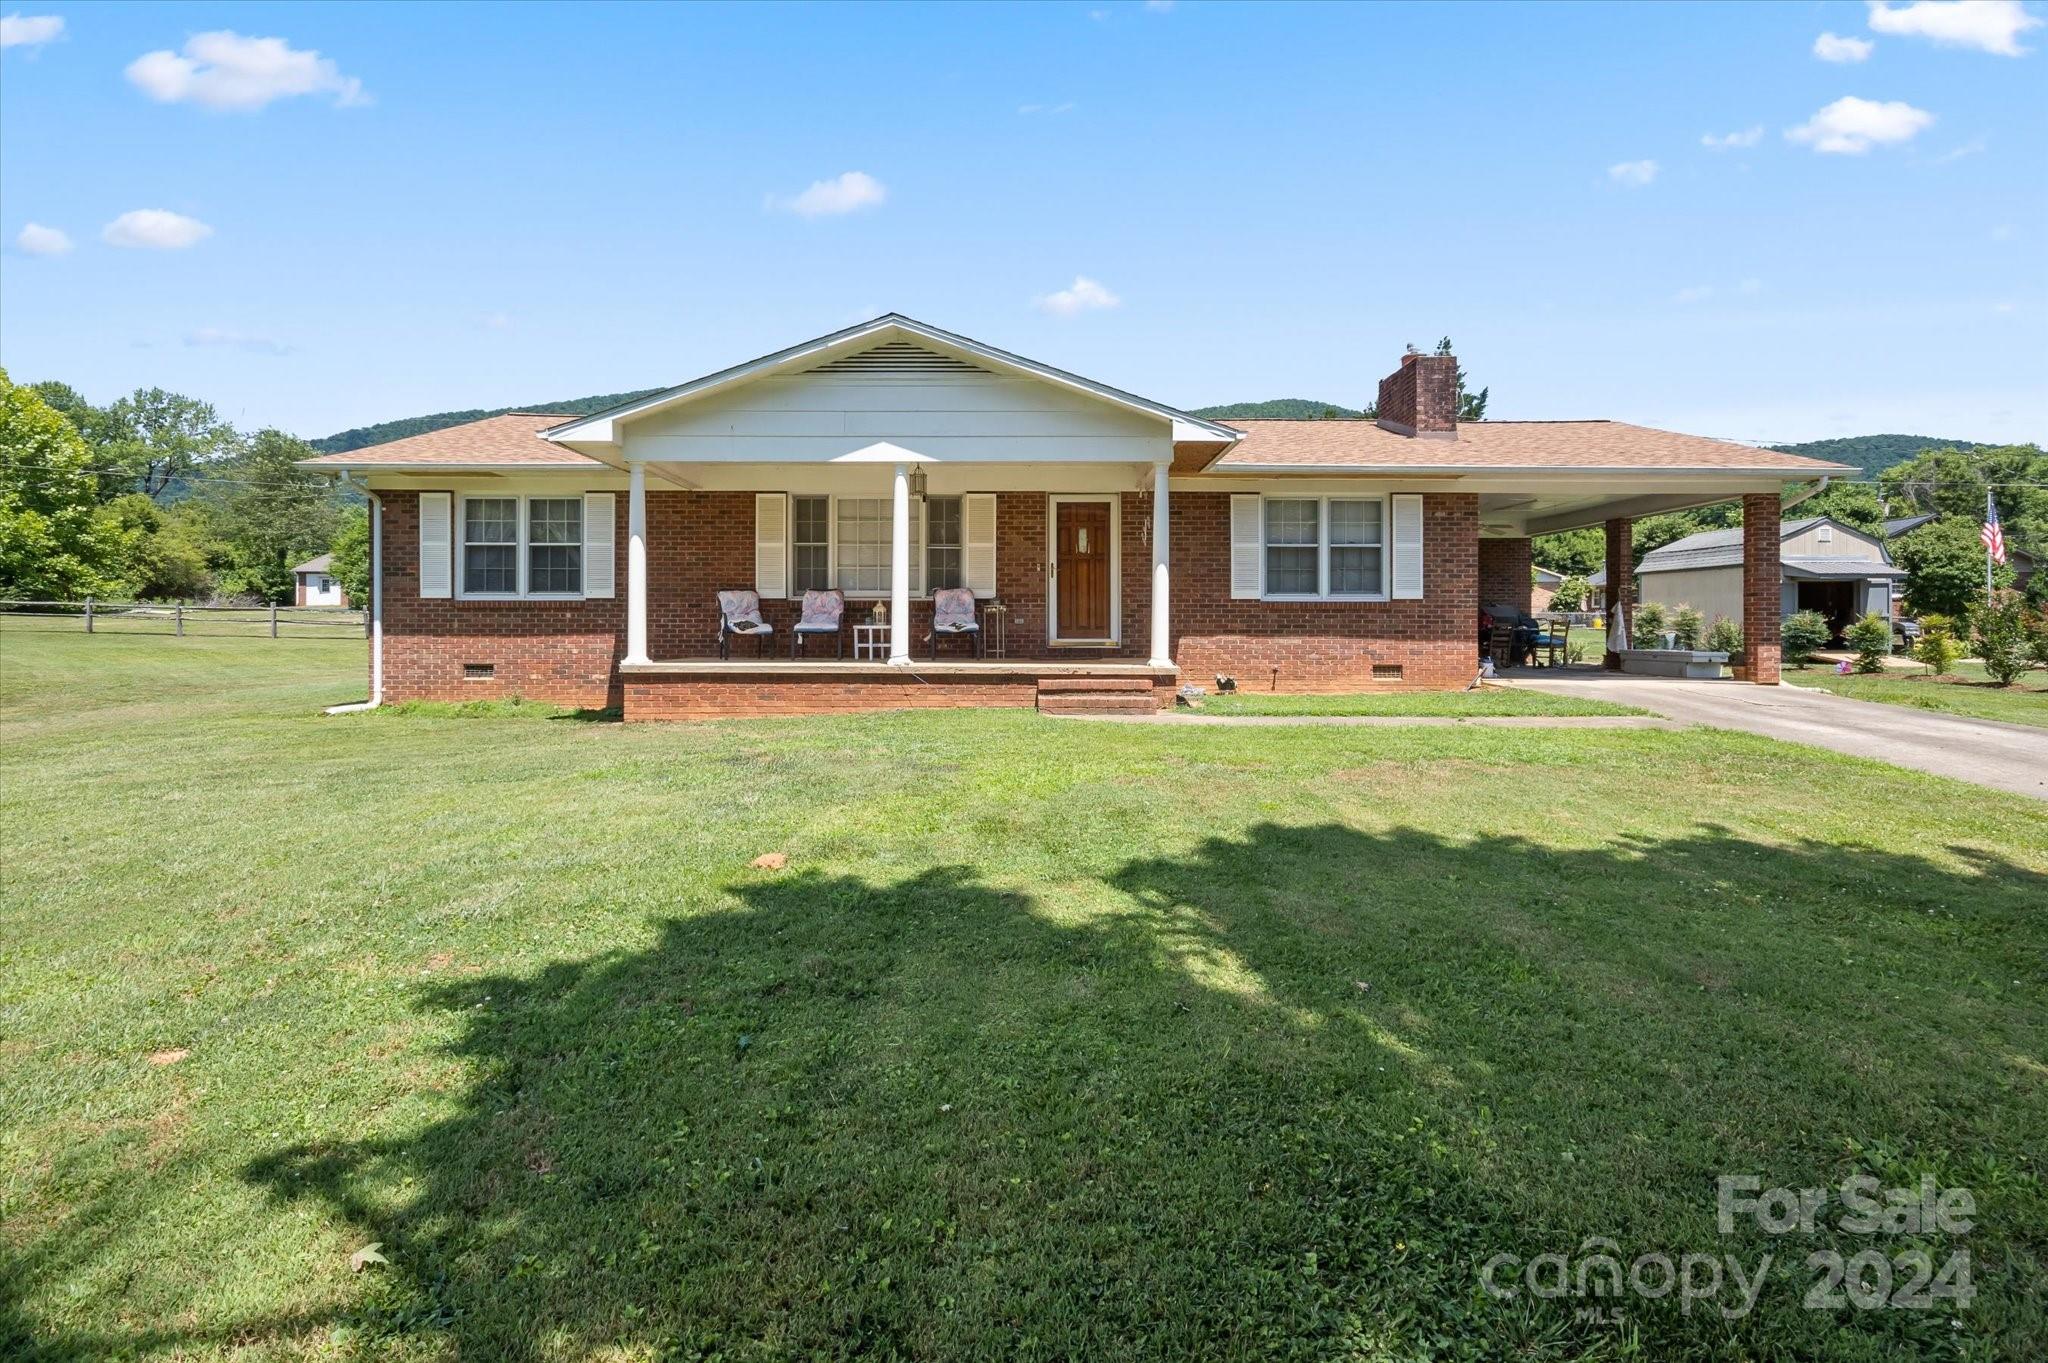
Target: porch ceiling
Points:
(1515, 514)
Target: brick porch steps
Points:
(1096, 696)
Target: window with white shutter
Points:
(1407, 547)
(600, 539)
(1246, 547)
(978, 513)
(437, 544)
(771, 544)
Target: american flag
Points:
(1992, 536)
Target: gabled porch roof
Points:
(602, 428)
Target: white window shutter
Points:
(1407, 547)
(437, 544)
(978, 529)
(771, 544)
(600, 541)
(1246, 557)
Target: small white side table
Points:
(871, 643)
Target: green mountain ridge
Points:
(1870, 453)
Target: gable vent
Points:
(897, 357)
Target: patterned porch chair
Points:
(740, 613)
(952, 615)
(820, 616)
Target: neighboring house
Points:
(318, 586)
(1825, 566)
(1133, 547)
(1547, 583)
(1596, 591)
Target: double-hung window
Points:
(522, 546)
(942, 541)
(810, 544)
(1293, 527)
(1319, 548)
(847, 542)
(490, 546)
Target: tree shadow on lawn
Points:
(1281, 1096)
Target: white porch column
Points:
(899, 570)
(636, 565)
(1162, 635)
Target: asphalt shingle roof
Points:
(1499, 445)
(513, 438)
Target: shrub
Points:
(2037, 634)
(1570, 594)
(1937, 646)
(1687, 625)
(2000, 629)
(1871, 637)
(1647, 630)
(1803, 635)
(1724, 636)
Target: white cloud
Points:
(236, 340)
(1987, 25)
(1974, 147)
(155, 229)
(1830, 48)
(2005, 231)
(225, 70)
(38, 240)
(1029, 109)
(30, 30)
(1636, 173)
(1852, 126)
(848, 193)
(496, 321)
(1747, 137)
(2006, 306)
(1086, 295)
(1098, 15)
(1698, 293)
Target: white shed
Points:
(318, 586)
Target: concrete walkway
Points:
(1987, 752)
(1182, 717)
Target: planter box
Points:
(1697, 664)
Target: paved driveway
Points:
(2003, 756)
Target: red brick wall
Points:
(1621, 576)
(556, 651)
(1763, 571)
(766, 693)
(702, 542)
(1324, 645)
(1506, 573)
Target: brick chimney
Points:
(1421, 397)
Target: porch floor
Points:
(709, 688)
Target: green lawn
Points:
(1051, 1041)
(1968, 692)
(1430, 704)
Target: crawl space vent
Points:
(479, 671)
(1386, 671)
(897, 358)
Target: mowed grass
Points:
(1968, 692)
(1484, 703)
(1051, 1040)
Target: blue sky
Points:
(478, 206)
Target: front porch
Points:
(750, 688)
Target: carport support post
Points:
(1162, 630)
(1763, 574)
(899, 568)
(1621, 579)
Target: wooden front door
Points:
(1081, 570)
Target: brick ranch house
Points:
(577, 559)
